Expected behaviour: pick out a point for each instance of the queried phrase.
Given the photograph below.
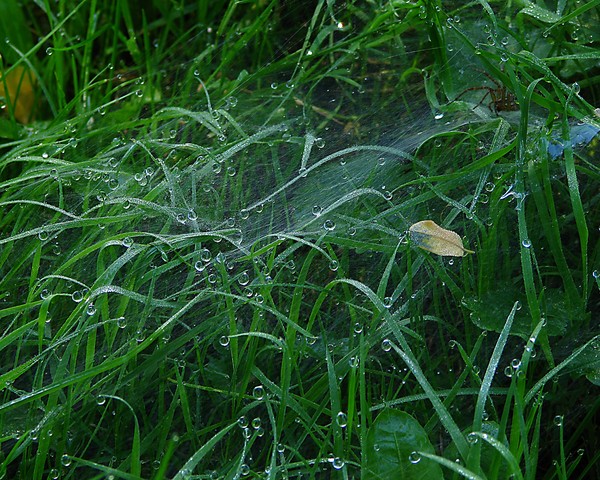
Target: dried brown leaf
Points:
(429, 236)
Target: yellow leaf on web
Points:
(429, 236)
(18, 91)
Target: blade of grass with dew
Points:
(443, 413)
(474, 454)
(524, 100)
(505, 452)
(457, 387)
(453, 466)
(202, 452)
(336, 406)
(575, 197)
(542, 195)
(554, 371)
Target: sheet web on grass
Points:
(211, 175)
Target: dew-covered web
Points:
(236, 172)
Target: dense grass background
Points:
(204, 266)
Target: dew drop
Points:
(243, 279)
(329, 225)
(205, 255)
(558, 420)
(341, 419)
(199, 266)
(414, 457)
(77, 296)
(258, 392)
(243, 422)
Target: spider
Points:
(502, 100)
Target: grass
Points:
(204, 266)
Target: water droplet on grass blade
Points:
(258, 392)
(558, 420)
(414, 457)
(342, 419)
(329, 225)
(429, 236)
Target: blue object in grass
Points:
(581, 135)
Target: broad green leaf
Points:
(594, 377)
(540, 13)
(428, 235)
(391, 440)
(488, 311)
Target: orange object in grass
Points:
(18, 92)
